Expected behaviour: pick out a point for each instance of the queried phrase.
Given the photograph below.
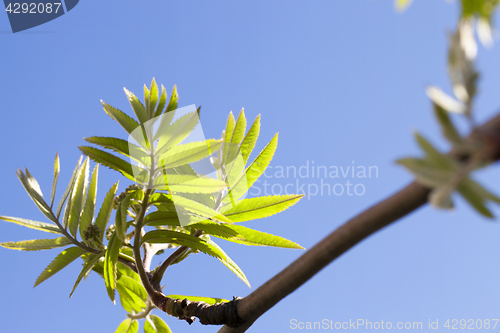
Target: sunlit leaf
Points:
(128, 326)
(162, 102)
(188, 153)
(89, 207)
(62, 260)
(69, 187)
(77, 198)
(43, 226)
(37, 244)
(105, 212)
(189, 184)
(155, 324)
(57, 168)
(87, 267)
(250, 139)
(110, 161)
(123, 147)
(110, 260)
(139, 109)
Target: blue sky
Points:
(342, 82)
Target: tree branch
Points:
(345, 237)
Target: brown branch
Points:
(338, 242)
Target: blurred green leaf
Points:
(474, 200)
(425, 172)
(447, 128)
(443, 161)
(37, 244)
(62, 260)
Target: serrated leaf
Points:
(199, 209)
(425, 172)
(177, 132)
(161, 218)
(139, 109)
(188, 153)
(252, 172)
(155, 324)
(208, 300)
(228, 133)
(57, 168)
(37, 244)
(126, 122)
(128, 326)
(257, 208)
(162, 102)
(244, 235)
(77, 198)
(89, 207)
(233, 146)
(121, 218)
(228, 262)
(189, 184)
(250, 139)
(110, 260)
(152, 100)
(33, 190)
(105, 212)
(111, 161)
(43, 226)
(62, 260)
(172, 104)
(123, 147)
(87, 267)
(68, 188)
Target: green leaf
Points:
(426, 172)
(126, 122)
(250, 139)
(447, 128)
(233, 147)
(110, 161)
(244, 235)
(161, 103)
(252, 172)
(207, 247)
(33, 189)
(154, 324)
(105, 212)
(77, 198)
(189, 184)
(208, 300)
(188, 153)
(474, 200)
(161, 218)
(151, 98)
(133, 290)
(128, 326)
(68, 188)
(139, 109)
(54, 182)
(47, 227)
(480, 191)
(257, 208)
(110, 260)
(37, 244)
(121, 218)
(444, 162)
(123, 147)
(177, 132)
(89, 207)
(172, 104)
(199, 209)
(228, 262)
(227, 135)
(62, 260)
(87, 267)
